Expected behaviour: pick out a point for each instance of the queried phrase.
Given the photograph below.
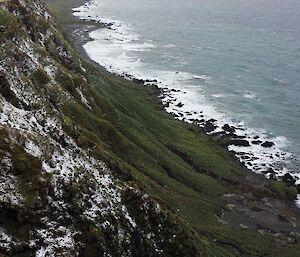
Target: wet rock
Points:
(138, 81)
(267, 144)
(209, 127)
(219, 134)
(245, 157)
(256, 142)
(167, 104)
(270, 170)
(151, 80)
(212, 120)
(239, 142)
(256, 137)
(180, 105)
(272, 177)
(288, 179)
(228, 128)
(234, 136)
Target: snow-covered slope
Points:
(56, 197)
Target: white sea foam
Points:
(114, 47)
(298, 201)
(203, 77)
(283, 82)
(249, 95)
(169, 46)
(218, 95)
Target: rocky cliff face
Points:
(57, 197)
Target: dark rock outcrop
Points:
(256, 142)
(228, 128)
(239, 142)
(180, 105)
(209, 127)
(288, 179)
(267, 144)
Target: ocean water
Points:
(234, 61)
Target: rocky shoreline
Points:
(245, 211)
(233, 137)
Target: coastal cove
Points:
(250, 104)
(255, 149)
(241, 206)
(103, 153)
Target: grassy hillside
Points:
(185, 170)
(124, 125)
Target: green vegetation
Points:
(183, 169)
(28, 171)
(281, 190)
(128, 129)
(62, 8)
(31, 183)
(9, 23)
(186, 171)
(277, 189)
(40, 77)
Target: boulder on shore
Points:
(239, 142)
(209, 127)
(256, 142)
(228, 128)
(180, 105)
(267, 144)
(288, 179)
(138, 81)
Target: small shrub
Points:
(40, 77)
(280, 190)
(28, 170)
(67, 82)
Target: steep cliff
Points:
(90, 164)
(57, 198)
